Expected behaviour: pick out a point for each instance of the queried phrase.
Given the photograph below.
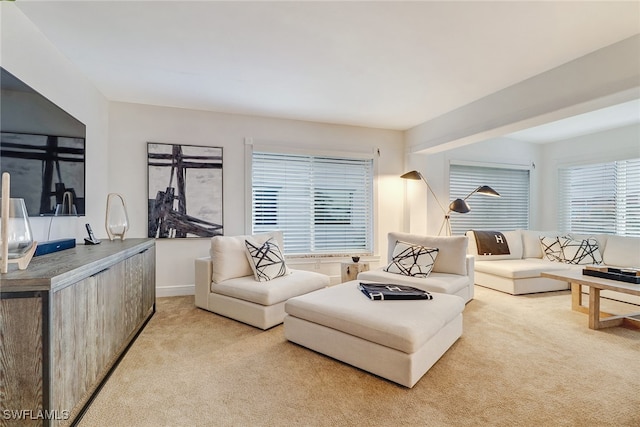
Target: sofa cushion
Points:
(452, 250)
(514, 240)
(412, 260)
(403, 325)
(266, 259)
(531, 242)
(274, 291)
(622, 251)
(228, 255)
(519, 268)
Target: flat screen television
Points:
(43, 149)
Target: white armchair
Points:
(452, 271)
(225, 283)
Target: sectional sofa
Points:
(518, 271)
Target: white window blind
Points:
(600, 198)
(508, 212)
(322, 204)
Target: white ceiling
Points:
(378, 64)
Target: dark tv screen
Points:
(43, 149)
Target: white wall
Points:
(131, 126)
(28, 55)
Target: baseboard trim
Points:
(175, 291)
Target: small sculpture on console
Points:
(116, 220)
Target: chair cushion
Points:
(452, 250)
(402, 325)
(519, 268)
(274, 291)
(228, 255)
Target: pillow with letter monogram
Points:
(412, 260)
(495, 245)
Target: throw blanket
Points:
(491, 243)
(379, 292)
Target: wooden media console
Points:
(65, 322)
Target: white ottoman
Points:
(397, 340)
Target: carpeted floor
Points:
(522, 361)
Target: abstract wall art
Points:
(185, 190)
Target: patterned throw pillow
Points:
(571, 251)
(412, 260)
(551, 248)
(584, 251)
(266, 260)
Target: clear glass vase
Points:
(20, 236)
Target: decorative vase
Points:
(116, 220)
(355, 259)
(19, 234)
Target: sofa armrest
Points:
(204, 271)
(471, 263)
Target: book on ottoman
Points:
(378, 292)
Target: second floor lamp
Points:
(458, 205)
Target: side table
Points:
(350, 270)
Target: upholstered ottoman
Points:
(397, 340)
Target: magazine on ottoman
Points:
(380, 292)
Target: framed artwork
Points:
(185, 190)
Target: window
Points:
(322, 204)
(600, 198)
(508, 212)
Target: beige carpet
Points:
(522, 361)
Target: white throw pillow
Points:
(412, 260)
(622, 251)
(266, 259)
(229, 257)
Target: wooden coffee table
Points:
(578, 280)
